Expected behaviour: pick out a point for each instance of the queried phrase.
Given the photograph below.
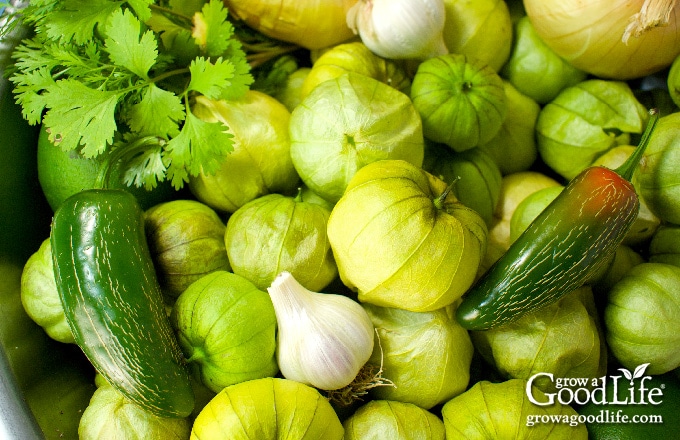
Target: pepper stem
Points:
(627, 169)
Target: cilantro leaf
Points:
(28, 87)
(78, 18)
(219, 80)
(126, 48)
(78, 115)
(212, 31)
(242, 78)
(166, 28)
(200, 147)
(96, 74)
(146, 169)
(209, 79)
(159, 113)
(142, 8)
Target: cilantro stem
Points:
(169, 11)
(169, 73)
(257, 59)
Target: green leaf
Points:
(28, 87)
(125, 47)
(200, 147)
(242, 79)
(145, 169)
(166, 28)
(210, 79)
(141, 8)
(212, 31)
(158, 113)
(77, 20)
(78, 115)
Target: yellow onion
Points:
(616, 39)
(312, 24)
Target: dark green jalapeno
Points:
(113, 302)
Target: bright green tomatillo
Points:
(402, 239)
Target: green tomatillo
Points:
(642, 316)
(260, 163)
(226, 328)
(401, 238)
(346, 123)
(276, 233)
(268, 409)
(462, 102)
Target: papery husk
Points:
(502, 409)
(346, 123)
(355, 57)
(386, 419)
(226, 328)
(260, 163)
(642, 316)
(186, 241)
(564, 339)
(263, 408)
(426, 355)
(400, 239)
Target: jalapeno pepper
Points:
(113, 302)
(562, 249)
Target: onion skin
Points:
(312, 24)
(588, 35)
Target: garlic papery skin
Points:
(400, 29)
(323, 339)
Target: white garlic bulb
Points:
(323, 339)
(400, 29)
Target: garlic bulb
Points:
(323, 339)
(400, 29)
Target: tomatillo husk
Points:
(426, 355)
(461, 101)
(480, 29)
(186, 240)
(226, 328)
(642, 316)
(346, 123)
(401, 238)
(266, 408)
(657, 179)
(477, 177)
(355, 57)
(385, 419)
(276, 233)
(505, 410)
(260, 163)
(585, 121)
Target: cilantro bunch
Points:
(119, 77)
